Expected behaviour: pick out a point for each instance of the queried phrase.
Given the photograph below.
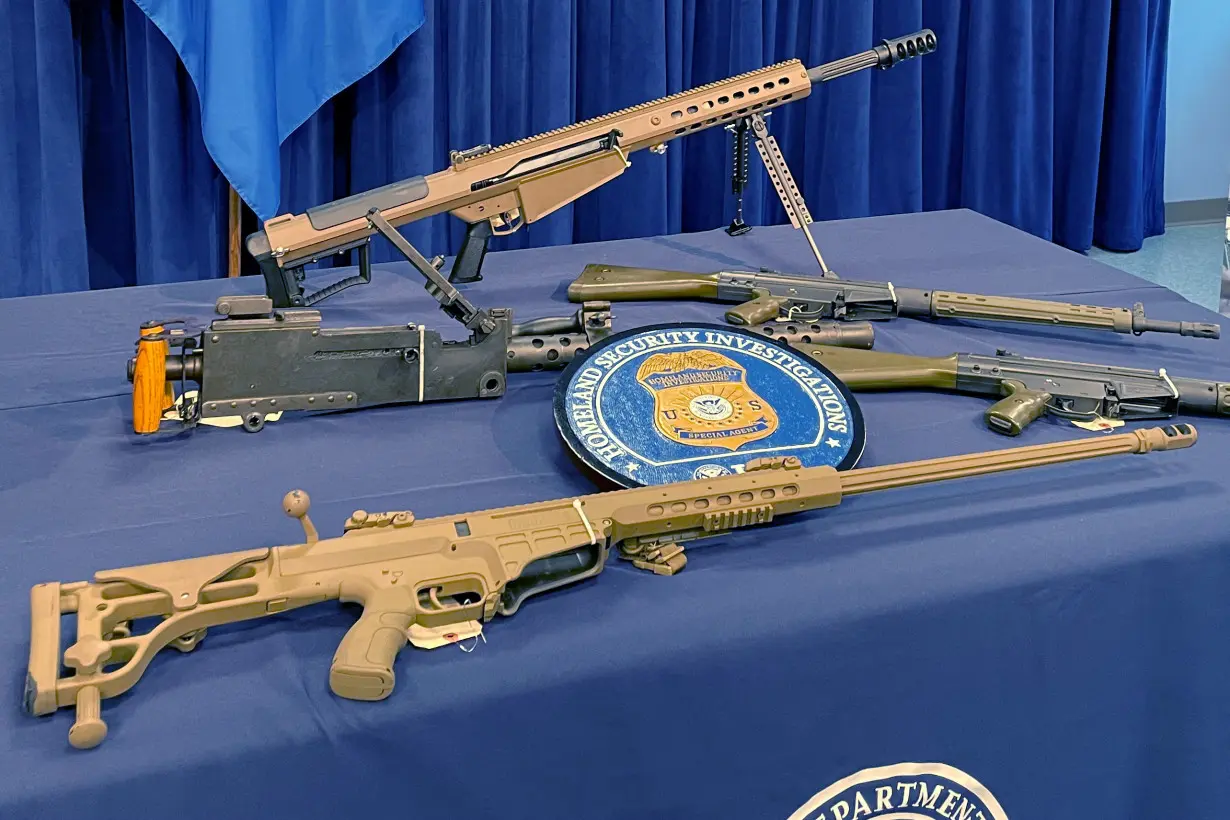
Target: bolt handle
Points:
(296, 504)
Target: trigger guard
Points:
(511, 221)
(1080, 409)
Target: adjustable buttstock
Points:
(1013, 413)
(764, 308)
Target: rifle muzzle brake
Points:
(1143, 324)
(891, 52)
(886, 55)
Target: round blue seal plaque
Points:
(680, 401)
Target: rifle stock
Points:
(616, 283)
(876, 370)
(951, 305)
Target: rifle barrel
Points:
(891, 476)
(886, 55)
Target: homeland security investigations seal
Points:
(906, 791)
(681, 401)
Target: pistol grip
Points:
(764, 308)
(362, 667)
(1013, 413)
(467, 267)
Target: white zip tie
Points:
(422, 359)
(576, 505)
(1162, 372)
(892, 293)
(461, 646)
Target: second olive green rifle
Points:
(767, 295)
(435, 581)
(1030, 387)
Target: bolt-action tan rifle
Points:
(435, 581)
(497, 190)
(766, 295)
(1028, 388)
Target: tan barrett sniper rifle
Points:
(497, 190)
(435, 581)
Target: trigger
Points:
(433, 637)
(506, 223)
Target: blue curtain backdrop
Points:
(1045, 114)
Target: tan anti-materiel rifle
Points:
(497, 190)
(435, 581)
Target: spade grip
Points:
(151, 394)
(1013, 413)
(362, 667)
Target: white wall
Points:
(1198, 100)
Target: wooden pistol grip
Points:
(151, 393)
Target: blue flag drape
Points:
(262, 68)
(1045, 114)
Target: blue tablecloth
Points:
(1059, 634)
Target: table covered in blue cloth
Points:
(1059, 634)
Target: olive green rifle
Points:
(767, 295)
(436, 581)
(496, 191)
(1030, 387)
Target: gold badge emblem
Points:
(702, 399)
